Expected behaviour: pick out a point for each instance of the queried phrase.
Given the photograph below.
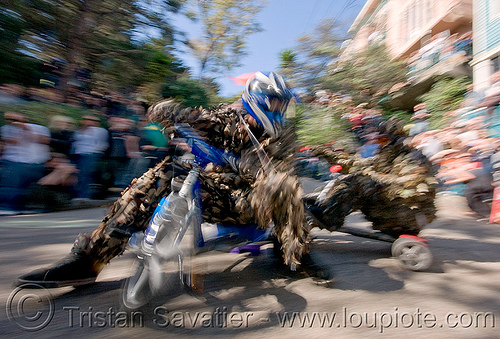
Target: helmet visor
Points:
(276, 105)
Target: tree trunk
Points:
(75, 49)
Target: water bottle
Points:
(135, 241)
(166, 220)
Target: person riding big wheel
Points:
(260, 185)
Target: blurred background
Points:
(77, 77)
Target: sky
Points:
(283, 22)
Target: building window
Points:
(494, 6)
(413, 20)
(404, 27)
(418, 14)
(428, 11)
(495, 63)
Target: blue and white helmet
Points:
(266, 98)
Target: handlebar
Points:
(203, 152)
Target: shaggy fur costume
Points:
(237, 197)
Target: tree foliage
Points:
(321, 125)
(288, 66)
(445, 96)
(313, 54)
(189, 92)
(193, 92)
(322, 49)
(367, 76)
(15, 67)
(226, 25)
(159, 66)
(100, 36)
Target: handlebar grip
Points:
(203, 152)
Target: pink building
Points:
(406, 25)
(434, 37)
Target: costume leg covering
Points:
(129, 214)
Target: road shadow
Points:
(349, 257)
(252, 287)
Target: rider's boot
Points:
(77, 268)
(314, 269)
(307, 264)
(130, 213)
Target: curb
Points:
(74, 205)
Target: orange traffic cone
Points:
(495, 206)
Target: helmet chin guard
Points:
(266, 98)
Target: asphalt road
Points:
(242, 296)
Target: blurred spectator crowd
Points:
(441, 47)
(68, 162)
(466, 153)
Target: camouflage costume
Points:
(228, 196)
(394, 189)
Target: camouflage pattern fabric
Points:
(130, 213)
(227, 196)
(394, 189)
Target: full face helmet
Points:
(266, 98)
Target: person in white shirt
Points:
(24, 156)
(89, 144)
(39, 150)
